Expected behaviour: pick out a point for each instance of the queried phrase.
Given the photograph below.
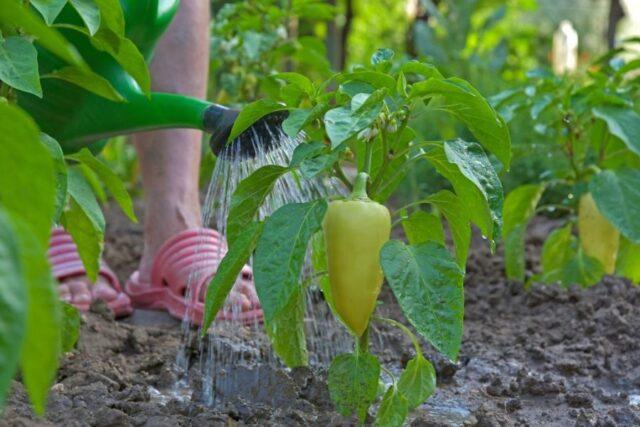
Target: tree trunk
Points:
(616, 13)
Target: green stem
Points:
(341, 176)
(362, 343)
(393, 378)
(407, 331)
(368, 153)
(360, 187)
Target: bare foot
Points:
(79, 292)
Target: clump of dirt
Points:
(543, 356)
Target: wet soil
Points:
(539, 357)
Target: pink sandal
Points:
(187, 260)
(66, 263)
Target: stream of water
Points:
(212, 366)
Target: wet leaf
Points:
(19, 64)
(519, 209)
(353, 383)
(249, 197)
(286, 331)
(299, 118)
(617, 196)
(382, 55)
(281, 251)
(421, 227)
(393, 409)
(251, 114)
(228, 271)
(343, 123)
(13, 303)
(113, 183)
(427, 283)
(418, 381)
(463, 101)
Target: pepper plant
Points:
(588, 126)
(362, 117)
(40, 186)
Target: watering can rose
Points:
(355, 230)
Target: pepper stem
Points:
(360, 186)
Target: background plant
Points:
(40, 186)
(365, 121)
(586, 133)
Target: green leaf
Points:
(85, 223)
(13, 303)
(113, 183)
(19, 64)
(353, 383)
(89, 12)
(13, 13)
(422, 69)
(382, 55)
(418, 381)
(306, 151)
(427, 283)
(475, 181)
(422, 227)
(393, 409)
(249, 196)
(41, 347)
(70, 327)
(557, 251)
(88, 80)
(251, 114)
(623, 123)
(281, 252)
(463, 101)
(60, 169)
(627, 264)
(582, 269)
(111, 16)
(617, 196)
(519, 209)
(27, 180)
(344, 122)
(228, 271)
(299, 118)
(286, 331)
(457, 216)
(297, 79)
(320, 266)
(376, 79)
(49, 9)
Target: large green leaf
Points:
(249, 196)
(418, 381)
(49, 9)
(393, 409)
(582, 269)
(467, 104)
(281, 252)
(422, 227)
(40, 350)
(70, 327)
(627, 264)
(85, 222)
(14, 14)
(109, 179)
(617, 196)
(476, 183)
(342, 123)
(228, 270)
(427, 282)
(27, 180)
(13, 304)
(353, 383)
(286, 331)
(457, 216)
(86, 79)
(301, 117)
(60, 168)
(19, 64)
(623, 123)
(251, 114)
(519, 209)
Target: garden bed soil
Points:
(539, 357)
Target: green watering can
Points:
(78, 118)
